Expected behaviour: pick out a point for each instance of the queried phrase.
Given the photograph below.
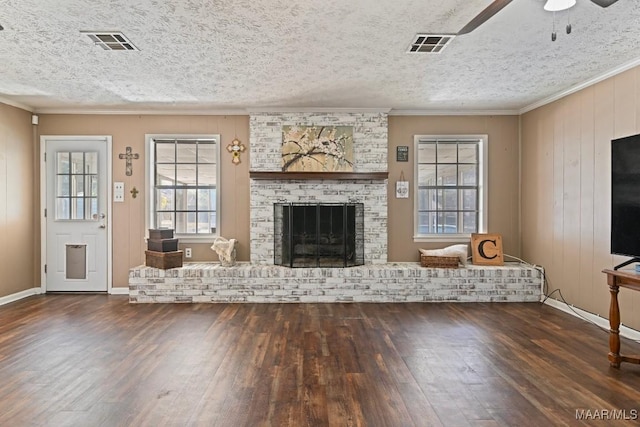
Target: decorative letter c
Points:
(481, 249)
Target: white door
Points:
(76, 214)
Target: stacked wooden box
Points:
(162, 249)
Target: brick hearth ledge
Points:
(390, 282)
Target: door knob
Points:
(102, 226)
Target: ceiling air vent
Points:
(429, 43)
(110, 40)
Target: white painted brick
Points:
(393, 282)
(370, 153)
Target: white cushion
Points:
(461, 251)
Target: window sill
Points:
(443, 238)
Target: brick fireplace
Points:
(370, 155)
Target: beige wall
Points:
(18, 225)
(129, 217)
(503, 212)
(566, 178)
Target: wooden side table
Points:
(617, 279)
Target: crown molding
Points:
(454, 113)
(231, 112)
(272, 110)
(573, 89)
(16, 104)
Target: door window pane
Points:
(62, 208)
(76, 186)
(77, 163)
(92, 210)
(63, 185)
(63, 163)
(91, 160)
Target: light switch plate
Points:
(118, 191)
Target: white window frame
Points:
(483, 198)
(150, 185)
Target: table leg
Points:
(614, 325)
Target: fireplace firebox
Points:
(319, 235)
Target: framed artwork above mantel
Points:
(317, 148)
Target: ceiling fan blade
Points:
(483, 16)
(604, 3)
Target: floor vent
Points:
(429, 43)
(110, 40)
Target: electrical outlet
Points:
(118, 191)
(187, 252)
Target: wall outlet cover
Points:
(118, 191)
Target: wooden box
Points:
(160, 233)
(162, 245)
(163, 260)
(439, 261)
(486, 249)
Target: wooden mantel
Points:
(319, 175)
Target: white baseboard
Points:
(625, 331)
(19, 295)
(119, 291)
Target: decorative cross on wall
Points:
(129, 156)
(235, 148)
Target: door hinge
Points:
(45, 268)
(45, 157)
(45, 212)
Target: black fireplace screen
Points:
(319, 235)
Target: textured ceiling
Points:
(203, 55)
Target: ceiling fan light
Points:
(558, 5)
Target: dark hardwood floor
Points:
(95, 360)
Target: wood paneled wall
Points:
(18, 226)
(566, 194)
